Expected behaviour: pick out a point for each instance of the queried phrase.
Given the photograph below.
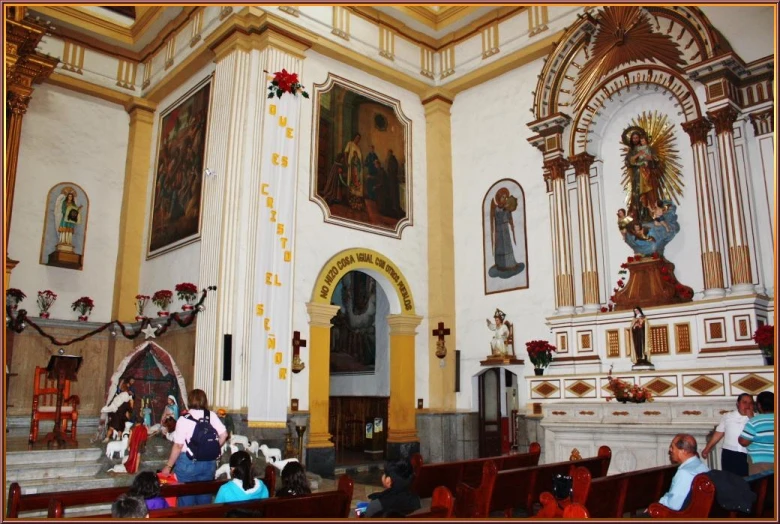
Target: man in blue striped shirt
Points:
(758, 436)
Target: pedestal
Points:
(508, 360)
(65, 259)
(651, 282)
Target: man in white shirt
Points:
(733, 458)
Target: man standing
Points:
(758, 436)
(733, 458)
(682, 451)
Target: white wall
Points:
(69, 137)
(182, 264)
(749, 29)
(316, 242)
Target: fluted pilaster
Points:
(590, 275)
(561, 233)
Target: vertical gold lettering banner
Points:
(271, 352)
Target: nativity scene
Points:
(338, 238)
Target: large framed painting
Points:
(176, 194)
(361, 172)
(65, 227)
(504, 243)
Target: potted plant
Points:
(140, 305)
(162, 299)
(540, 353)
(84, 306)
(188, 293)
(765, 338)
(13, 296)
(45, 301)
(624, 392)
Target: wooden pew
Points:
(702, 498)
(615, 495)
(575, 511)
(328, 504)
(518, 489)
(474, 503)
(449, 474)
(763, 506)
(551, 508)
(442, 505)
(68, 499)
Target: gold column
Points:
(711, 259)
(737, 230)
(441, 249)
(24, 67)
(402, 419)
(561, 231)
(319, 373)
(133, 217)
(590, 274)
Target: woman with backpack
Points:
(197, 444)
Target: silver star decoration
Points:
(149, 332)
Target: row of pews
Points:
(508, 486)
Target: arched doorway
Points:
(402, 322)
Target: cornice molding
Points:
(104, 26)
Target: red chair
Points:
(44, 405)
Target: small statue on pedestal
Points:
(498, 346)
(640, 337)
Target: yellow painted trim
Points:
(319, 373)
(437, 20)
(261, 424)
(401, 409)
(88, 88)
(361, 258)
(92, 22)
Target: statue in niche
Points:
(353, 335)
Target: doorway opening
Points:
(498, 405)
(359, 370)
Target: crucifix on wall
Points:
(441, 332)
(297, 343)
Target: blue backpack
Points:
(204, 443)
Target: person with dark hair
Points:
(294, 481)
(146, 485)
(758, 435)
(397, 498)
(733, 457)
(188, 468)
(243, 486)
(682, 451)
(129, 507)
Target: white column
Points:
(590, 274)
(564, 278)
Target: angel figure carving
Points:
(67, 213)
(502, 234)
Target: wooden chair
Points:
(44, 405)
(702, 498)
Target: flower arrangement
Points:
(45, 301)
(540, 353)
(624, 392)
(84, 306)
(765, 338)
(187, 292)
(284, 82)
(140, 305)
(13, 296)
(162, 299)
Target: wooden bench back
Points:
(702, 498)
(552, 508)
(473, 502)
(442, 505)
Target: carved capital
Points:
(17, 102)
(763, 122)
(582, 163)
(697, 130)
(555, 168)
(723, 119)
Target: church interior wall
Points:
(489, 142)
(182, 264)
(749, 30)
(316, 241)
(69, 137)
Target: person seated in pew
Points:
(146, 485)
(244, 485)
(758, 435)
(397, 498)
(733, 458)
(682, 451)
(129, 507)
(294, 481)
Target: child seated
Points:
(243, 486)
(397, 498)
(146, 485)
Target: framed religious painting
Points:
(361, 174)
(178, 178)
(65, 227)
(504, 240)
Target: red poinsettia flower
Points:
(620, 283)
(655, 256)
(604, 310)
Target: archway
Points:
(402, 322)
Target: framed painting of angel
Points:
(65, 226)
(504, 237)
(176, 192)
